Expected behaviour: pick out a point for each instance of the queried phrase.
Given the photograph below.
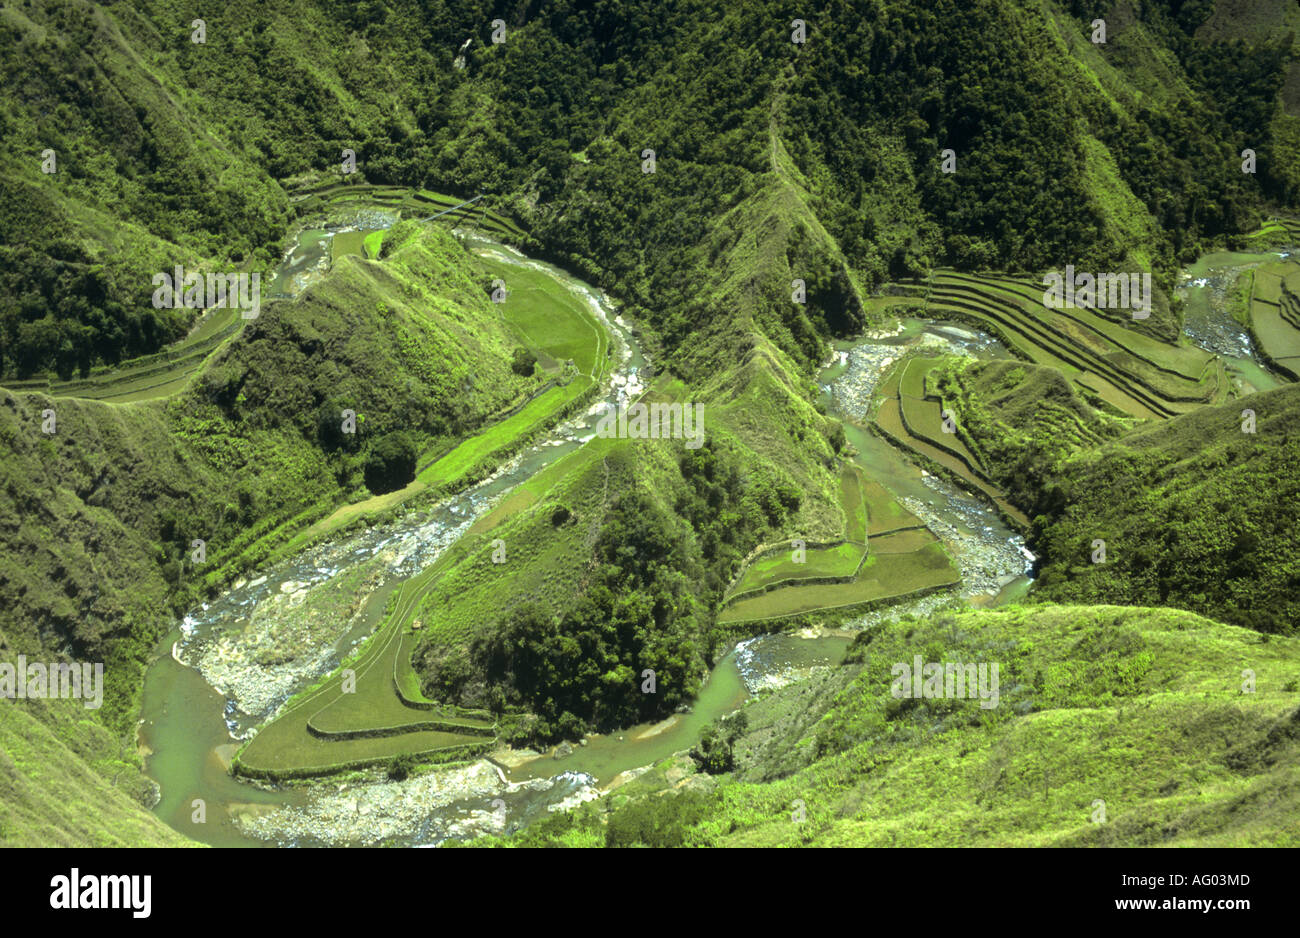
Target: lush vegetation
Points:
(1084, 695)
(773, 162)
(1197, 512)
(154, 130)
(610, 573)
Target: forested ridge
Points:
(191, 145)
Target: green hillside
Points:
(1140, 709)
(795, 195)
(1196, 512)
(102, 512)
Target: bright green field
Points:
(455, 464)
(554, 323)
(841, 560)
(1275, 313)
(883, 576)
(885, 512)
(548, 317)
(854, 502)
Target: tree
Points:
(523, 362)
(391, 462)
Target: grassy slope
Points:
(101, 513)
(56, 795)
(1195, 513)
(1140, 708)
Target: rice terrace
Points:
(496, 425)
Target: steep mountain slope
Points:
(1112, 727)
(101, 515)
(1197, 512)
(1067, 151)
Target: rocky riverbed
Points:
(444, 804)
(1209, 324)
(265, 639)
(988, 560)
(988, 555)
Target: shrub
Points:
(391, 463)
(523, 362)
(401, 766)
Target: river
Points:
(231, 663)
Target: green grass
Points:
(1086, 694)
(449, 469)
(548, 317)
(57, 796)
(854, 501)
(347, 243)
(884, 575)
(884, 511)
(841, 560)
(1137, 708)
(778, 569)
(1275, 314)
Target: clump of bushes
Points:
(714, 752)
(401, 766)
(390, 463)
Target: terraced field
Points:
(1275, 314)
(885, 515)
(359, 243)
(922, 416)
(409, 203)
(913, 421)
(151, 376)
(1276, 231)
(886, 574)
(1133, 372)
(902, 558)
(327, 729)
